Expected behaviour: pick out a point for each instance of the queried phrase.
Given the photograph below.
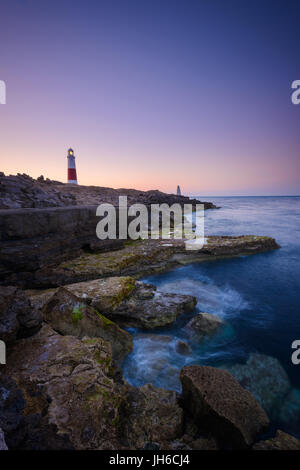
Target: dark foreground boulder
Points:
(18, 319)
(219, 404)
(69, 315)
(281, 441)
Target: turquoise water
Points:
(257, 296)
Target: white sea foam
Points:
(221, 301)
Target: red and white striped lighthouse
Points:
(72, 176)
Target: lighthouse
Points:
(72, 176)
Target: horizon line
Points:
(245, 195)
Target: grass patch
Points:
(77, 313)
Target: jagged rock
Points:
(221, 405)
(203, 324)
(61, 392)
(281, 441)
(126, 301)
(102, 294)
(152, 415)
(68, 315)
(3, 445)
(39, 298)
(23, 412)
(265, 378)
(147, 308)
(23, 191)
(17, 317)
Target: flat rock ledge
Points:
(143, 257)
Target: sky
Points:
(153, 93)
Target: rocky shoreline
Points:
(63, 323)
(21, 191)
(62, 387)
(44, 223)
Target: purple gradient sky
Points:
(151, 94)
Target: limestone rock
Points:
(68, 315)
(133, 303)
(147, 256)
(203, 324)
(126, 301)
(152, 415)
(23, 191)
(105, 295)
(281, 441)
(17, 317)
(221, 405)
(148, 308)
(61, 392)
